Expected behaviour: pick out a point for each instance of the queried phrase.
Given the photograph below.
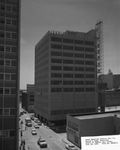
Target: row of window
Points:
(66, 40)
(8, 21)
(69, 61)
(58, 82)
(7, 76)
(8, 7)
(53, 53)
(7, 111)
(67, 47)
(9, 35)
(73, 89)
(67, 68)
(70, 75)
(7, 133)
(8, 62)
(7, 91)
(8, 48)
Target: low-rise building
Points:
(92, 125)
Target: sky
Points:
(40, 16)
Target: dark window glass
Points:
(2, 20)
(66, 75)
(68, 54)
(79, 55)
(79, 62)
(12, 111)
(13, 63)
(8, 21)
(90, 69)
(2, 34)
(56, 61)
(14, 8)
(78, 42)
(89, 56)
(68, 68)
(7, 62)
(56, 53)
(89, 49)
(66, 47)
(1, 48)
(68, 61)
(67, 40)
(79, 48)
(56, 46)
(68, 82)
(2, 6)
(89, 62)
(13, 91)
(56, 68)
(90, 82)
(14, 35)
(79, 89)
(8, 35)
(1, 76)
(8, 7)
(79, 75)
(14, 49)
(56, 75)
(56, 39)
(54, 82)
(7, 48)
(12, 133)
(1, 90)
(90, 89)
(67, 89)
(79, 82)
(14, 22)
(1, 112)
(89, 43)
(56, 89)
(7, 91)
(90, 76)
(1, 62)
(79, 69)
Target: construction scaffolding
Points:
(100, 47)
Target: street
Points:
(54, 140)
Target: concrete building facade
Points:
(9, 73)
(92, 125)
(65, 75)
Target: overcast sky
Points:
(39, 16)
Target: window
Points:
(6, 112)
(13, 90)
(66, 47)
(56, 61)
(66, 75)
(90, 82)
(56, 46)
(90, 76)
(2, 34)
(67, 40)
(68, 54)
(56, 53)
(79, 48)
(89, 56)
(14, 22)
(12, 133)
(79, 69)
(79, 82)
(68, 68)
(1, 90)
(89, 49)
(14, 63)
(1, 76)
(54, 82)
(65, 61)
(7, 76)
(90, 69)
(7, 62)
(13, 76)
(9, 7)
(14, 48)
(79, 75)
(79, 62)
(78, 42)
(7, 48)
(79, 55)
(56, 75)
(1, 48)
(89, 62)
(89, 43)
(1, 62)
(56, 89)
(12, 111)
(56, 68)
(2, 6)
(8, 21)
(56, 39)
(68, 82)
(14, 8)
(2, 20)
(14, 35)
(67, 89)
(79, 89)
(90, 89)
(7, 91)
(8, 34)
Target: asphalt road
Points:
(53, 139)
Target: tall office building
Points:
(9, 73)
(65, 75)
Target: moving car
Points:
(42, 143)
(34, 132)
(70, 147)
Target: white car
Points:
(70, 147)
(36, 126)
(34, 132)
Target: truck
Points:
(28, 122)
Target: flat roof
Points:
(98, 115)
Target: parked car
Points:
(34, 132)
(42, 143)
(39, 123)
(70, 147)
(35, 120)
(36, 126)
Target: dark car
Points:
(42, 143)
